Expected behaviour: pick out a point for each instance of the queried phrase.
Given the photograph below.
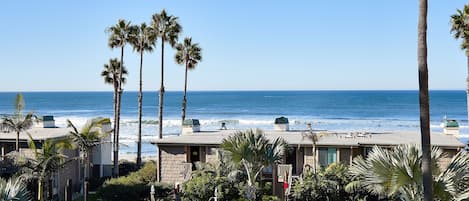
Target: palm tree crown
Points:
(119, 34)
(17, 123)
(90, 134)
(167, 27)
(188, 53)
(460, 27)
(142, 38)
(111, 72)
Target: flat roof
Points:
(37, 133)
(327, 138)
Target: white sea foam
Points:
(129, 127)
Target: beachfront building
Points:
(178, 154)
(73, 169)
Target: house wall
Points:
(172, 159)
(69, 171)
(308, 156)
(211, 154)
(344, 155)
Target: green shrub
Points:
(96, 182)
(135, 186)
(126, 167)
(202, 187)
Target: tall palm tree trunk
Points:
(160, 112)
(467, 87)
(424, 101)
(184, 99)
(140, 97)
(17, 141)
(116, 94)
(117, 126)
(116, 152)
(87, 174)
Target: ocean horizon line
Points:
(238, 90)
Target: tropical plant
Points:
(142, 39)
(424, 101)
(113, 73)
(90, 135)
(188, 54)
(397, 174)
(314, 138)
(119, 37)
(18, 122)
(460, 30)
(325, 184)
(167, 28)
(15, 189)
(47, 160)
(222, 175)
(253, 151)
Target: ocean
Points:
(329, 110)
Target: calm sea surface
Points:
(330, 110)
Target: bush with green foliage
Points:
(327, 184)
(135, 186)
(202, 187)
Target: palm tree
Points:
(115, 75)
(142, 39)
(47, 160)
(18, 123)
(314, 137)
(14, 189)
(119, 36)
(252, 150)
(424, 100)
(168, 29)
(460, 29)
(397, 174)
(190, 55)
(89, 136)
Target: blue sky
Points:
(247, 45)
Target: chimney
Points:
(48, 121)
(281, 124)
(190, 126)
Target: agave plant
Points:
(13, 189)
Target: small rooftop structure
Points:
(48, 121)
(190, 126)
(281, 124)
(450, 126)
